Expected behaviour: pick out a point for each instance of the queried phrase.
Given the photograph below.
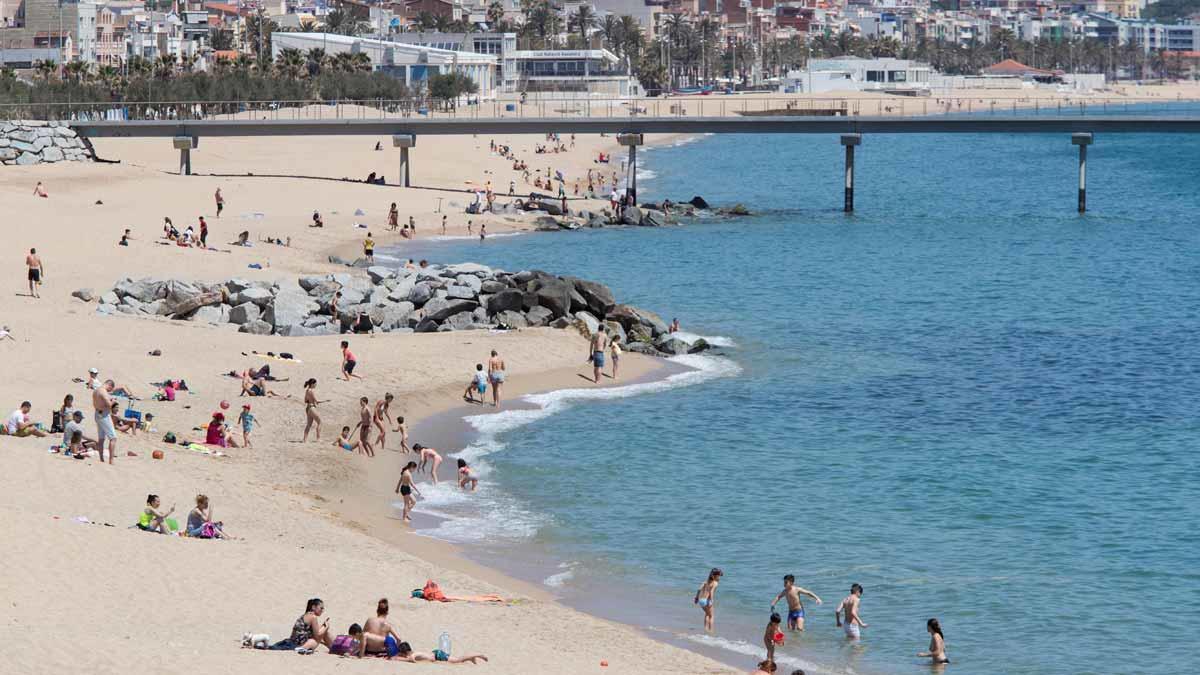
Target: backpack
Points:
(169, 438)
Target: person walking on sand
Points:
(220, 202)
(36, 272)
(937, 644)
(495, 368)
(847, 613)
(706, 597)
(105, 430)
(369, 248)
(364, 426)
(795, 608)
(310, 408)
(615, 354)
(247, 422)
(596, 352)
(405, 488)
(381, 417)
(348, 362)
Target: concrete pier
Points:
(632, 141)
(404, 142)
(850, 141)
(184, 144)
(1083, 140)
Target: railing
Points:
(681, 106)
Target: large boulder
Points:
(307, 283)
(554, 294)
(110, 298)
(510, 319)
(84, 294)
(598, 297)
(291, 307)
(545, 224)
(143, 290)
(392, 316)
(700, 345)
(460, 292)
(549, 206)
(470, 281)
(211, 314)
(616, 330)
(630, 316)
(402, 288)
(590, 323)
(539, 316)
(698, 202)
(643, 348)
(440, 309)
(651, 218)
(255, 328)
(426, 325)
(508, 299)
(672, 345)
(378, 273)
(259, 296)
(179, 304)
(474, 269)
(460, 321)
(631, 215)
(379, 296)
(491, 286)
(245, 313)
(421, 293)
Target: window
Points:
(875, 76)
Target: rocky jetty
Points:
(26, 142)
(426, 300)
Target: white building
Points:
(85, 45)
(411, 64)
(855, 74)
(584, 71)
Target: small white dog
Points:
(255, 640)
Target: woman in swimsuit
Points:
(310, 408)
(495, 371)
(706, 596)
(428, 455)
(405, 488)
(381, 415)
(307, 633)
(464, 476)
(937, 643)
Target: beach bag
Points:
(418, 594)
(207, 531)
(56, 423)
(169, 438)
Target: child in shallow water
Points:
(464, 476)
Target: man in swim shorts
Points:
(795, 608)
(597, 347)
(34, 263)
(496, 376)
(848, 610)
(105, 430)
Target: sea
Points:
(965, 396)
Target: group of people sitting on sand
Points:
(376, 637)
(200, 522)
(189, 237)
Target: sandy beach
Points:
(310, 519)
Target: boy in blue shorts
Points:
(478, 383)
(793, 592)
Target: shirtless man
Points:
(379, 636)
(381, 416)
(34, 263)
(220, 202)
(364, 426)
(849, 610)
(105, 430)
(596, 351)
(495, 368)
(793, 592)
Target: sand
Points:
(311, 520)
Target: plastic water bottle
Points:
(444, 643)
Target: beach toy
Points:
(157, 454)
(172, 524)
(224, 405)
(779, 638)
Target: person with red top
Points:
(203, 233)
(348, 362)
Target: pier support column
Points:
(185, 145)
(850, 140)
(404, 142)
(1083, 140)
(632, 141)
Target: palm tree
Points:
(610, 28)
(495, 14)
(77, 71)
(584, 19)
(243, 63)
(46, 69)
(316, 61)
(164, 67)
(290, 63)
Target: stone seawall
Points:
(25, 142)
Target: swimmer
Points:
(937, 643)
(795, 608)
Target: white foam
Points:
(559, 579)
(786, 663)
(714, 340)
(646, 174)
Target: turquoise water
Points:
(966, 397)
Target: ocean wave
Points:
(559, 579)
(714, 340)
(646, 174)
(701, 369)
(489, 514)
(468, 237)
(786, 663)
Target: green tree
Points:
(448, 87)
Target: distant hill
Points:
(1170, 11)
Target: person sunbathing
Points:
(256, 387)
(433, 593)
(406, 653)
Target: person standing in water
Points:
(495, 368)
(310, 408)
(405, 489)
(795, 608)
(596, 354)
(937, 643)
(847, 613)
(706, 597)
